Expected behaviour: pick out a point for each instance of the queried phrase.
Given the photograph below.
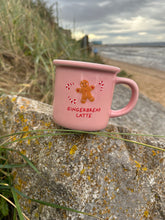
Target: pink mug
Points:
(83, 94)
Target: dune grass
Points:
(30, 38)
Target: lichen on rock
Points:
(109, 178)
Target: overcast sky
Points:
(114, 21)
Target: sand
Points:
(151, 82)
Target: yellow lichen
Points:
(21, 117)
(91, 153)
(66, 174)
(130, 189)
(137, 164)
(125, 169)
(50, 145)
(146, 213)
(82, 171)
(48, 124)
(14, 138)
(21, 182)
(113, 196)
(22, 107)
(73, 150)
(14, 174)
(37, 142)
(36, 215)
(26, 128)
(4, 122)
(106, 179)
(25, 120)
(104, 202)
(154, 153)
(28, 141)
(100, 148)
(94, 209)
(47, 153)
(13, 99)
(23, 152)
(144, 168)
(89, 178)
(25, 135)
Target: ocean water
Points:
(147, 56)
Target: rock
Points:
(107, 177)
(147, 116)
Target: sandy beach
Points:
(151, 82)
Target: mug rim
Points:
(86, 65)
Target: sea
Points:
(148, 55)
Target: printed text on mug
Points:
(83, 112)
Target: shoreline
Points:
(151, 82)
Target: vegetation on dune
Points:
(30, 38)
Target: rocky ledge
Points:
(104, 175)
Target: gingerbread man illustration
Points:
(86, 91)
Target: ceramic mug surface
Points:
(83, 94)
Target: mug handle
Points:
(133, 100)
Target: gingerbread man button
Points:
(86, 91)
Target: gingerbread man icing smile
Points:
(86, 91)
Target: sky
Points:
(113, 21)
